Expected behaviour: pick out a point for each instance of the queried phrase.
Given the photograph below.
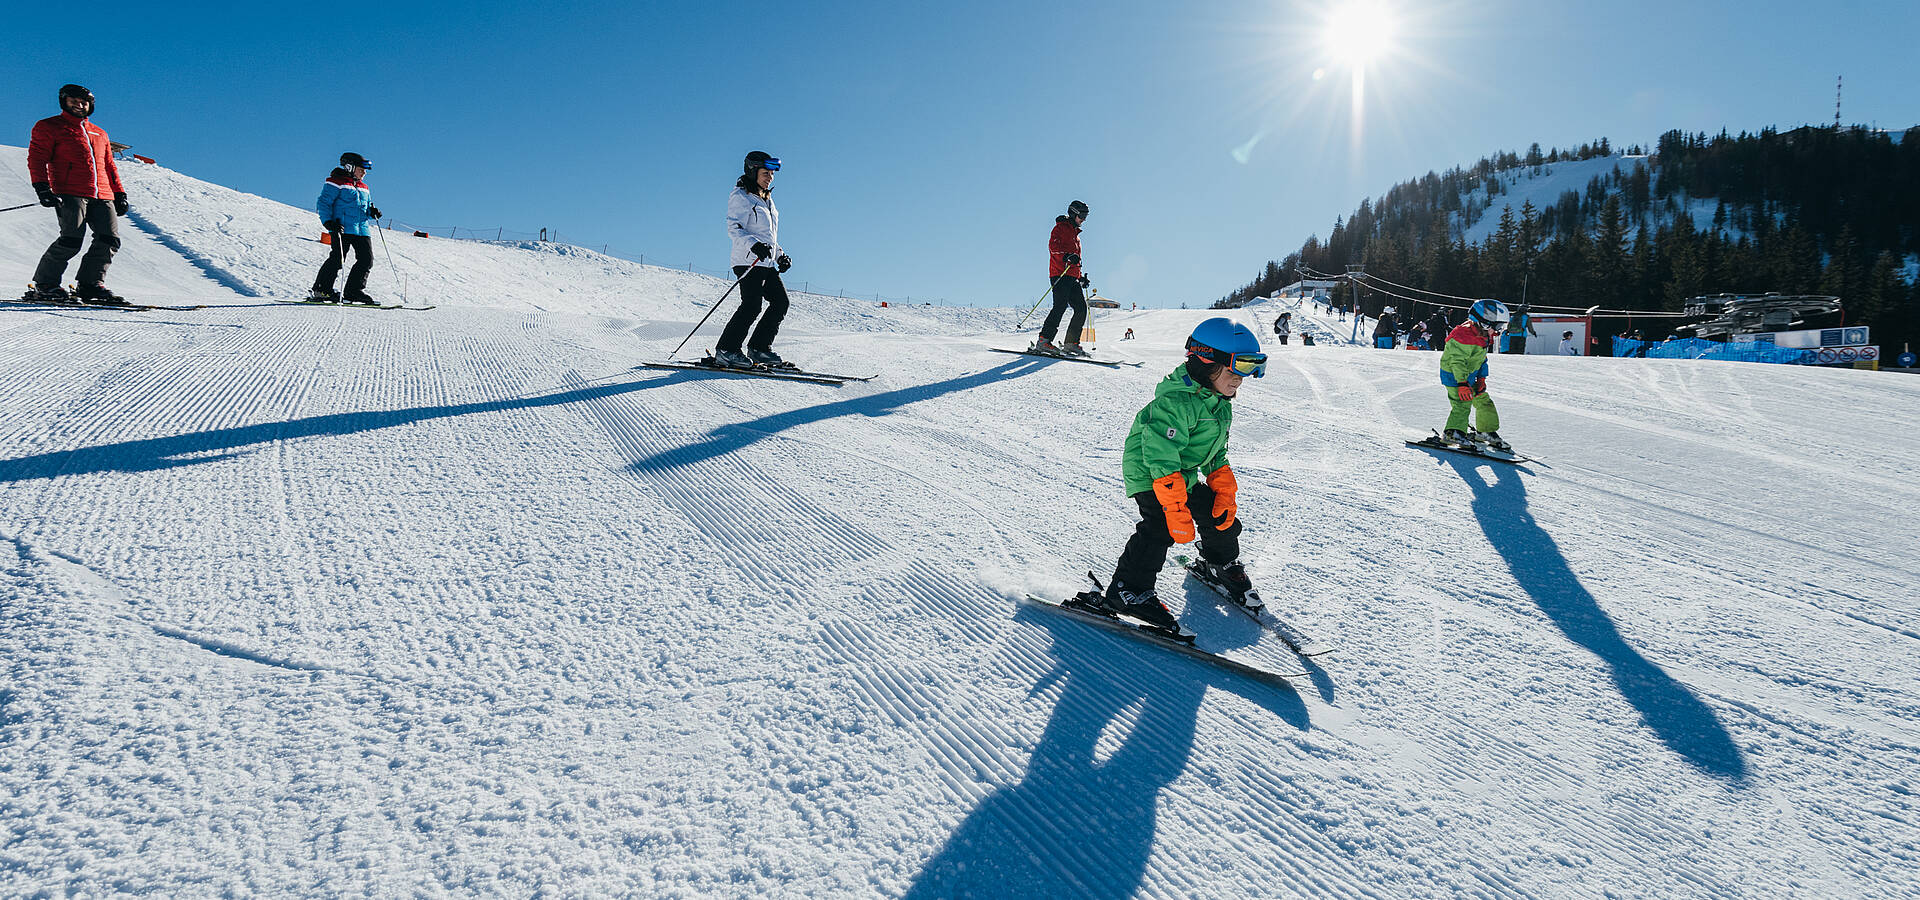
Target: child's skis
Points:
(1436, 442)
(1087, 609)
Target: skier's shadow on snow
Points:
(154, 454)
(1210, 615)
(1081, 822)
(1684, 723)
(729, 438)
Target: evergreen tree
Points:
(1609, 253)
(1844, 277)
(1884, 291)
(1688, 275)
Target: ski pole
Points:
(716, 306)
(378, 229)
(21, 206)
(1043, 297)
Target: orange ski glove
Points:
(1465, 393)
(1172, 491)
(1226, 491)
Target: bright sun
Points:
(1358, 31)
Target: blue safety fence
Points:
(1699, 348)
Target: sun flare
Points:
(1359, 32)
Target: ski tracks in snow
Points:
(783, 505)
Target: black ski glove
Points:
(332, 225)
(1085, 282)
(374, 212)
(784, 263)
(120, 205)
(45, 194)
(1072, 259)
(761, 250)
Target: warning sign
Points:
(1828, 356)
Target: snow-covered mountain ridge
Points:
(303, 601)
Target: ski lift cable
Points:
(1371, 280)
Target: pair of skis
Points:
(30, 298)
(1436, 442)
(783, 372)
(1065, 358)
(353, 305)
(1086, 607)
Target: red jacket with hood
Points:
(73, 157)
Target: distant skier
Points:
(1420, 338)
(1516, 337)
(1069, 284)
(1463, 369)
(1385, 330)
(70, 163)
(1128, 336)
(1282, 328)
(1176, 438)
(753, 224)
(345, 207)
(1568, 347)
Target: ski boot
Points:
(1460, 439)
(1493, 441)
(1044, 346)
(731, 359)
(359, 298)
(1146, 606)
(1230, 580)
(323, 295)
(1072, 348)
(55, 294)
(98, 295)
(767, 358)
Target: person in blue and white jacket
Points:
(346, 207)
(753, 224)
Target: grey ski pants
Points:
(77, 214)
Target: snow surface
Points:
(1521, 187)
(301, 601)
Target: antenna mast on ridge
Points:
(1837, 81)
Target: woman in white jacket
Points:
(753, 224)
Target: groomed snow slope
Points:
(323, 602)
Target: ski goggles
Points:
(770, 164)
(1248, 365)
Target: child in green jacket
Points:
(1463, 370)
(1176, 439)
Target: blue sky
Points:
(928, 147)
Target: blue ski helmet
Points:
(1490, 314)
(1222, 341)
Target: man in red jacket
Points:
(1063, 266)
(70, 163)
